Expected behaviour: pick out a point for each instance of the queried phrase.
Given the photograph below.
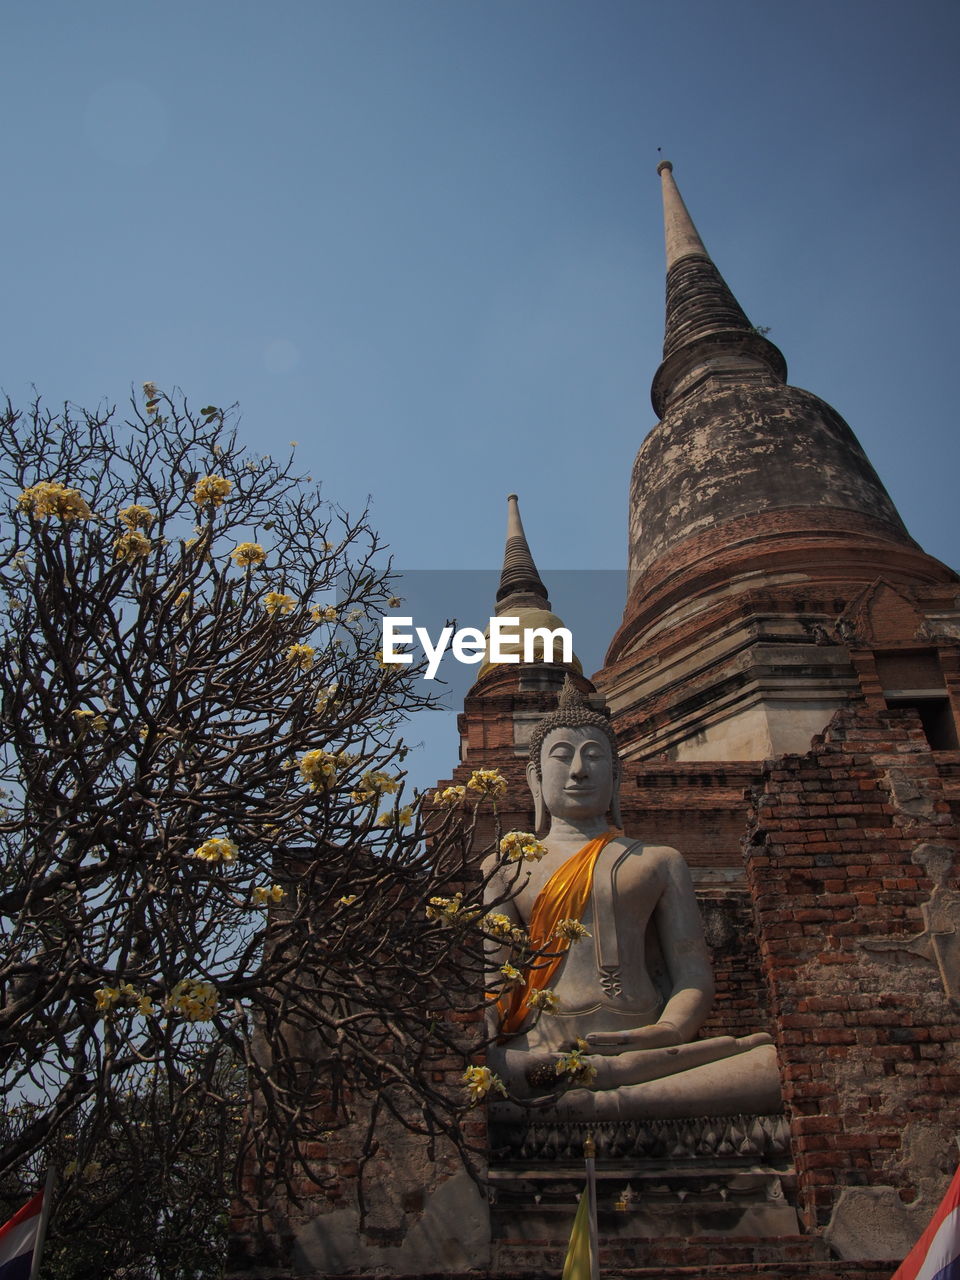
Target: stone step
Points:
(722, 1271)
(789, 1269)
(640, 1257)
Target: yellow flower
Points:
(497, 924)
(574, 1065)
(385, 783)
(324, 698)
(47, 498)
(450, 910)
(488, 782)
(373, 785)
(193, 1000)
(323, 613)
(211, 490)
(277, 602)
(136, 516)
(126, 996)
(247, 554)
(182, 598)
(545, 1000)
(404, 817)
(132, 546)
(478, 1082)
(216, 849)
(570, 931)
(348, 899)
(511, 972)
(517, 846)
(261, 896)
(301, 656)
(89, 720)
(450, 796)
(444, 909)
(319, 769)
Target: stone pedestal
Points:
(722, 1177)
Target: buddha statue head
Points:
(575, 729)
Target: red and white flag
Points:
(19, 1239)
(936, 1255)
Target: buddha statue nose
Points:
(578, 766)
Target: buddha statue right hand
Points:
(659, 1035)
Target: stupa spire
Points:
(523, 596)
(705, 324)
(520, 583)
(680, 235)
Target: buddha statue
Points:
(625, 982)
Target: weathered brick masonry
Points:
(867, 1035)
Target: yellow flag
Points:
(577, 1265)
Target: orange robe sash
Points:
(563, 897)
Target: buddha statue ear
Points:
(615, 815)
(536, 790)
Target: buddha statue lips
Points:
(630, 977)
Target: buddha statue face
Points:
(574, 770)
(576, 775)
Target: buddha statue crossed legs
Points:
(636, 987)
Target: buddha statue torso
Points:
(616, 977)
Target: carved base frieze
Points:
(758, 1139)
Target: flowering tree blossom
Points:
(206, 856)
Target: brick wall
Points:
(869, 1041)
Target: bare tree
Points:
(206, 853)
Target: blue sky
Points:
(422, 237)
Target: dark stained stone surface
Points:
(699, 301)
(734, 450)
